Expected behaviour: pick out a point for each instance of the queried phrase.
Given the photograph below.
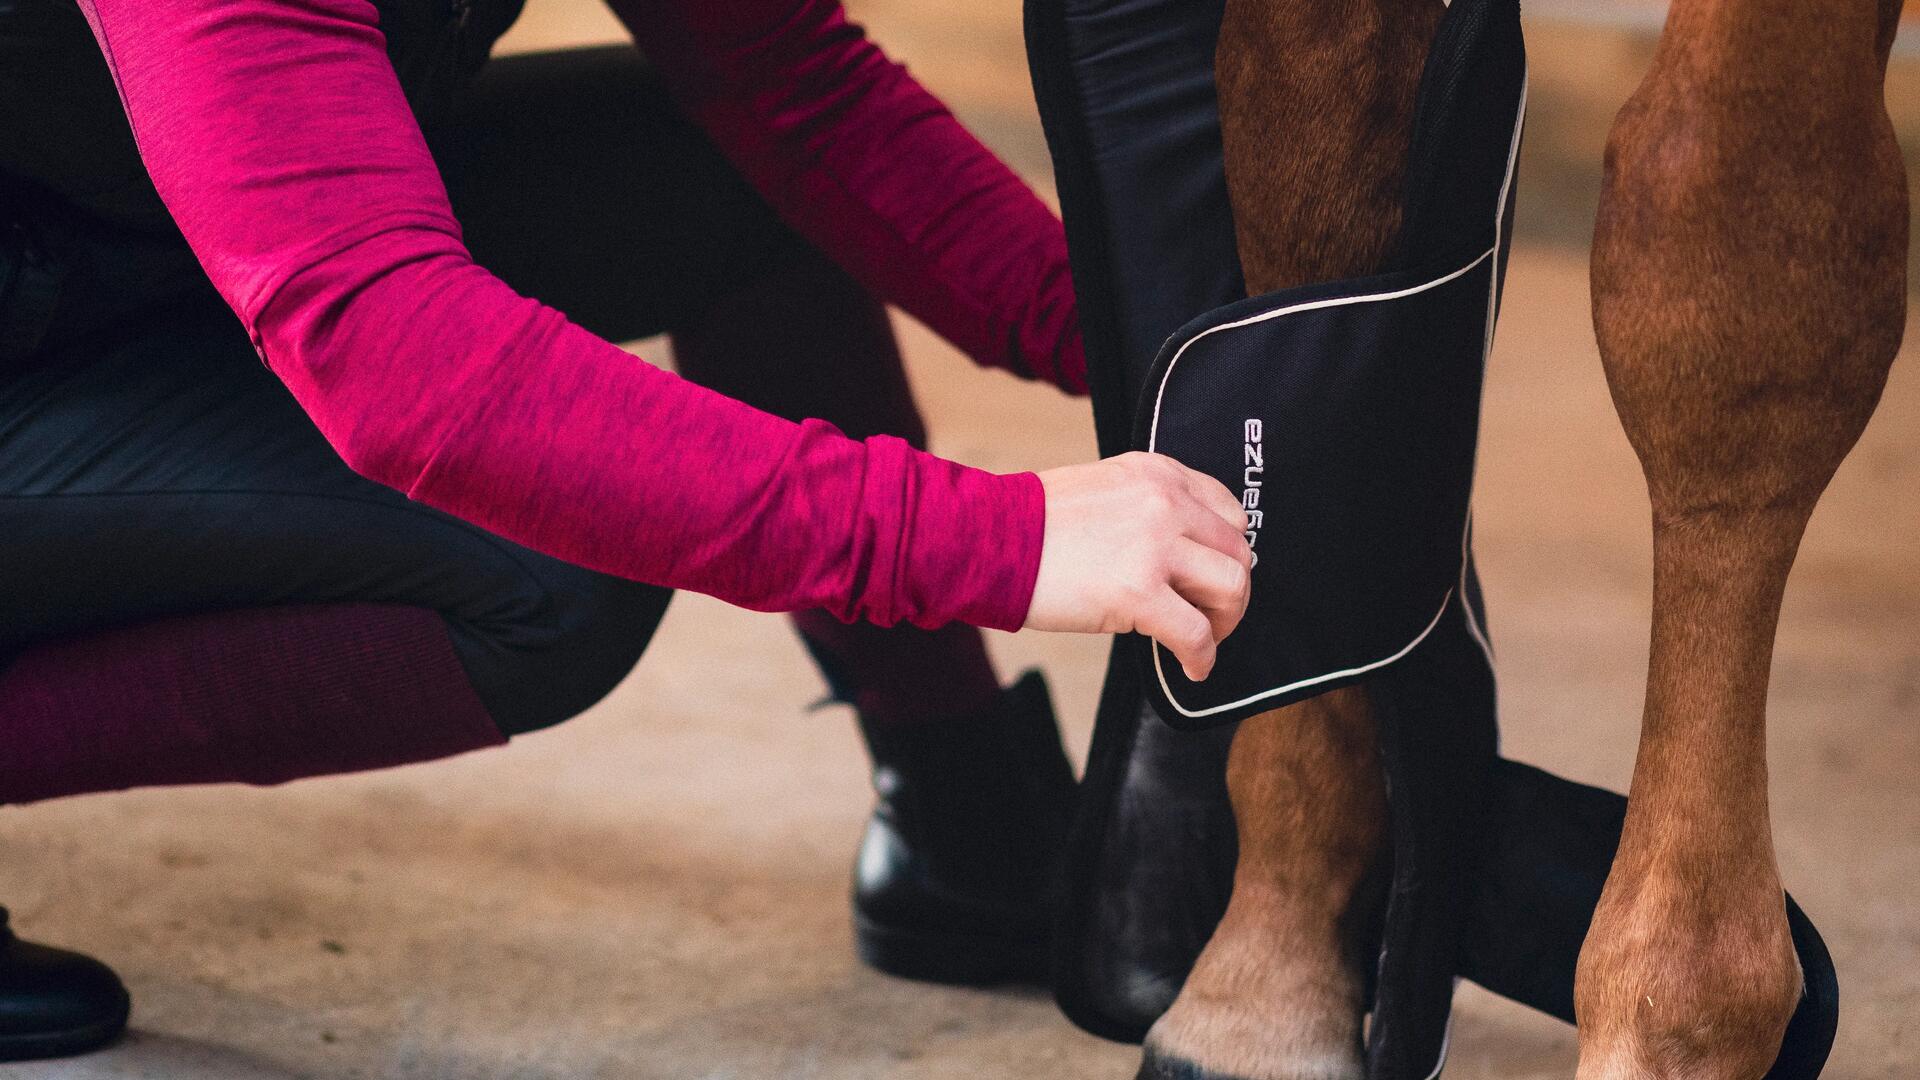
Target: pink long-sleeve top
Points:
(277, 135)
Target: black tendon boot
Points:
(54, 1003)
(955, 875)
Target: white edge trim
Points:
(1446, 1038)
(1466, 534)
(1303, 683)
(1474, 628)
(1153, 435)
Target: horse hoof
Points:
(1157, 1066)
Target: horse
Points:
(1748, 283)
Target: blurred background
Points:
(658, 889)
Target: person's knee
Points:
(585, 635)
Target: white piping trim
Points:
(1466, 598)
(1303, 683)
(1474, 629)
(1500, 212)
(1446, 1039)
(1466, 534)
(1153, 436)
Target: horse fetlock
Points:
(1680, 980)
(1277, 994)
(1300, 1028)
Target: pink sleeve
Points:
(874, 171)
(277, 134)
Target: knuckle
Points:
(1158, 504)
(1134, 593)
(1163, 556)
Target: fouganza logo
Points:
(1250, 487)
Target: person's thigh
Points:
(162, 470)
(578, 182)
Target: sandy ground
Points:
(658, 889)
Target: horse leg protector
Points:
(1345, 414)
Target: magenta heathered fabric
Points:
(277, 135)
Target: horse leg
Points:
(1749, 294)
(1316, 106)
(1277, 992)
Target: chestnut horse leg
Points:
(1749, 293)
(1316, 108)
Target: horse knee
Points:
(1748, 291)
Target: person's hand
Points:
(1142, 543)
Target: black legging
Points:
(150, 465)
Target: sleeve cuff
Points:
(971, 548)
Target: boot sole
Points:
(953, 959)
(41, 1045)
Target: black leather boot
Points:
(955, 877)
(54, 1003)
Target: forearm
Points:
(494, 408)
(277, 135)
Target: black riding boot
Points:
(54, 1003)
(955, 876)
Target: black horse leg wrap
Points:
(1345, 415)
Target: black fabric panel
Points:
(1126, 96)
(1463, 131)
(1349, 433)
(1438, 731)
(1127, 99)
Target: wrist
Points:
(973, 553)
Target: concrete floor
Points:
(657, 889)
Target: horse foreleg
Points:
(1316, 103)
(1749, 295)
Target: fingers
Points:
(1140, 542)
(1218, 536)
(1207, 597)
(1215, 497)
(1181, 627)
(1207, 571)
(1213, 516)
(1217, 584)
